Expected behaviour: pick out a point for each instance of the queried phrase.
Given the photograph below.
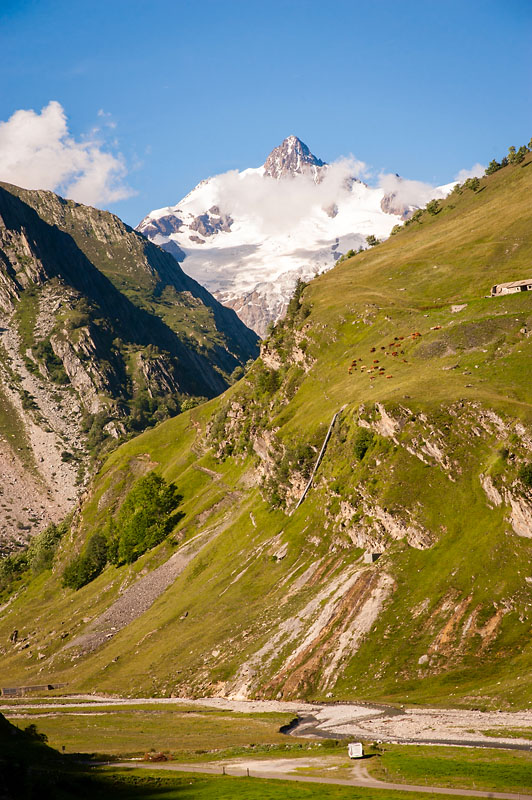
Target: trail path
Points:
(273, 771)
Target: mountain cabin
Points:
(512, 287)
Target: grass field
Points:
(192, 734)
(159, 786)
(454, 767)
(182, 734)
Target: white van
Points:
(355, 750)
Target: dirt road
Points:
(271, 770)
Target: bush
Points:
(144, 519)
(43, 548)
(525, 475)
(433, 207)
(295, 301)
(54, 366)
(12, 568)
(363, 441)
(268, 381)
(238, 373)
(88, 565)
(471, 183)
(192, 402)
(492, 167)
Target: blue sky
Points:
(190, 88)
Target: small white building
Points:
(511, 288)
(355, 750)
(370, 558)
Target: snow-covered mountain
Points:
(247, 236)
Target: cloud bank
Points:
(37, 152)
(411, 193)
(277, 206)
(476, 171)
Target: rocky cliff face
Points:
(101, 334)
(292, 157)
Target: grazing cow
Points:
(375, 360)
(389, 376)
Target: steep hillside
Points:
(428, 464)
(101, 335)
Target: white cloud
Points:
(277, 206)
(37, 152)
(476, 171)
(411, 193)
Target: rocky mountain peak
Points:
(291, 157)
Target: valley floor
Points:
(370, 722)
(207, 747)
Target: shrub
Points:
(525, 475)
(192, 402)
(295, 301)
(54, 366)
(12, 568)
(43, 548)
(237, 373)
(88, 565)
(144, 519)
(433, 207)
(363, 441)
(492, 167)
(268, 381)
(471, 183)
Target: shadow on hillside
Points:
(61, 258)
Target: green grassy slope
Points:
(422, 466)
